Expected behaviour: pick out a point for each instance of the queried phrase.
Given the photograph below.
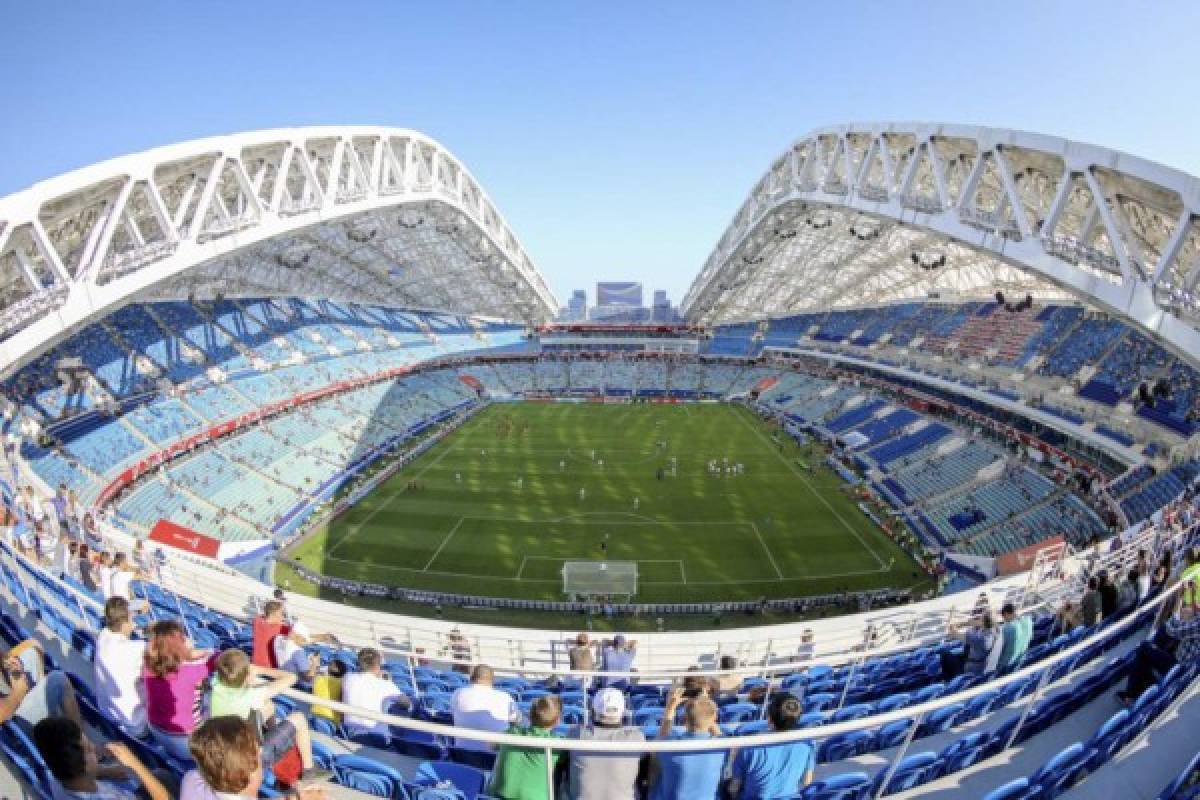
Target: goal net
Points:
(590, 579)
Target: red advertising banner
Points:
(765, 383)
(471, 381)
(1022, 560)
(186, 539)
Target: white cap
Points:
(609, 705)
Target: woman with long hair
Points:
(173, 673)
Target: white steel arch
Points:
(862, 214)
(365, 214)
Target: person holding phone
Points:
(30, 693)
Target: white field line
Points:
(767, 550)
(817, 494)
(449, 536)
(356, 528)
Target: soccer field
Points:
(519, 489)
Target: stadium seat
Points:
(846, 786)
(1019, 789)
(468, 780)
(369, 776)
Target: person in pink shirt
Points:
(173, 674)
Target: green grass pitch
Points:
(499, 509)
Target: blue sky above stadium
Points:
(617, 138)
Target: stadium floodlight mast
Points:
(375, 215)
(837, 217)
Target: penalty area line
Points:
(449, 536)
(767, 550)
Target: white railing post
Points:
(895, 765)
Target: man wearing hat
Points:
(594, 776)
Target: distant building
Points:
(577, 307)
(660, 309)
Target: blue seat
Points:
(891, 734)
(821, 701)
(573, 715)
(1184, 786)
(858, 711)
(479, 759)
(1061, 772)
(893, 702)
(964, 753)
(1108, 739)
(912, 771)
(371, 777)
(418, 744)
(752, 727)
(941, 719)
(648, 716)
(1020, 789)
(738, 712)
(843, 746)
(846, 786)
(468, 780)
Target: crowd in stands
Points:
(185, 720)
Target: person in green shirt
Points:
(520, 772)
(1016, 634)
(238, 691)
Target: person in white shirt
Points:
(371, 689)
(291, 656)
(120, 690)
(482, 707)
(104, 575)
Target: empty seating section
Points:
(102, 443)
(1090, 340)
(966, 513)
(900, 446)
(879, 430)
(215, 403)
(164, 421)
(855, 416)
(1154, 493)
(733, 340)
(1138, 359)
(941, 331)
(189, 324)
(941, 473)
(1056, 321)
(785, 331)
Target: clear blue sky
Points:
(616, 138)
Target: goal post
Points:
(586, 580)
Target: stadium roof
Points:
(364, 214)
(864, 214)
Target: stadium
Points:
(906, 502)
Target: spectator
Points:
(1176, 641)
(1015, 634)
(64, 562)
(173, 672)
(684, 776)
(1068, 617)
(1109, 596)
(779, 770)
(120, 691)
(603, 777)
(121, 577)
(290, 655)
(1144, 582)
(979, 644)
(728, 683)
(142, 561)
(372, 689)
(618, 657)
(234, 694)
(1090, 605)
(228, 764)
(520, 772)
(72, 760)
(805, 650)
(266, 626)
(104, 573)
(86, 570)
(329, 687)
(1127, 592)
(582, 657)
(33, 700)
(482, 707)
